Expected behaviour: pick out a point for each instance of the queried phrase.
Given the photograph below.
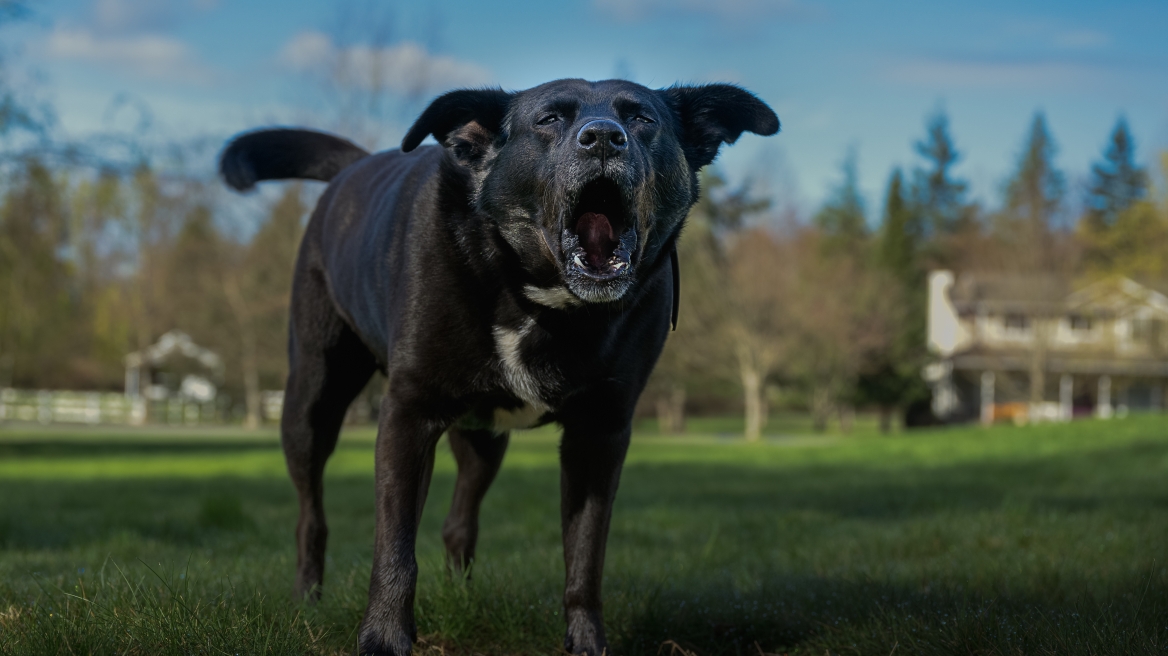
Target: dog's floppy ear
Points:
(466, 122)
(713, 114)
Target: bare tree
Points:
(844, 310)
(256, 283)
(757, 322)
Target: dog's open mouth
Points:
(600, 237)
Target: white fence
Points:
(52, 406)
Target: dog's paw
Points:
(385, 641)
(586, 638)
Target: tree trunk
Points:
(767, 392)
(752, 401)
(664, 427)
(885, 419)
(249, 363)
(820, 409)
(677, 400)
(847, 418)
(671, 411)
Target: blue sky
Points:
(840, 74)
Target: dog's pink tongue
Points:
(596, 237)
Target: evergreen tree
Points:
(891, 377)
(939, 196)
(901, 234)
(1033, 198)
(842, 219)
(1116, 182)
(724, 209)
(1036, 191)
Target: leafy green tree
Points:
(37, 292)
(1136, 245)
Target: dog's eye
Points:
(641, 118)
(548, 119)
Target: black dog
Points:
(518, 275)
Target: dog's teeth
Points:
(579, 262)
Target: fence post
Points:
(987, 398)
(44, 407)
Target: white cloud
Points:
(974, 74)
(307, 50)
(147, 55)
(635, 10)
(401, 68)
(128, 15)
(116, 15)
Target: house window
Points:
(1144, 331)
(1080, 323)
(1016, 323)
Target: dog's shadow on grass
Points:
(818, 615)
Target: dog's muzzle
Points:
(599, 242)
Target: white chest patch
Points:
(553, 297)
(518, 378)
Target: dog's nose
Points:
(602, 137)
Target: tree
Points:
(1028, 241)
(1034, 196)
(843, 312)
(258, 286)
(712, 329)
(1118, 225)
(940, 197)
(36, 284)
(901, 234)
(1116, 182)
(1136, 245)
(891, 377)
(14, 115)
(841, 220)
(757, 323)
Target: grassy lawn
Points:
(1042, 539)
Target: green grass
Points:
(1034, 540)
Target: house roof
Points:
(1002, 293)
(173, 343)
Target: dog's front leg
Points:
(590, 466)
(405, 461)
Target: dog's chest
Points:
(535, 385)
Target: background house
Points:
(1038, 347)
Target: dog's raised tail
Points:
(282, 154)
